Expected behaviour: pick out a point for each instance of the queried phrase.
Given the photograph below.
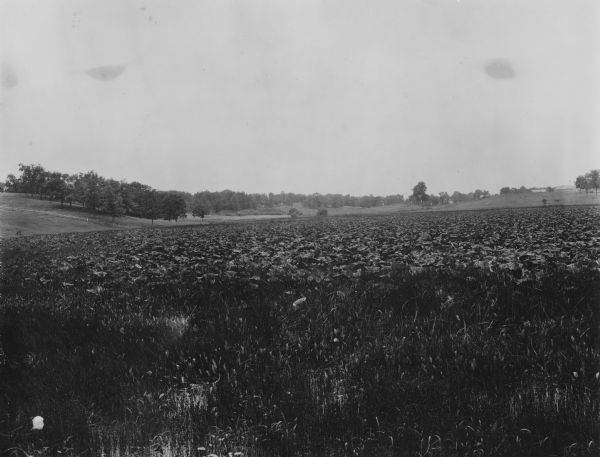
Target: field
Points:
(415, 334)
(21, 215)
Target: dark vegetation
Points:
(97, 194)
(589, 181)
(116, 198)
(428, 334)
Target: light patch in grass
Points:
(552, 401)
(176, 326)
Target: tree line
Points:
(588, 181)
(420, 196)
(116, 198)
(97, 194)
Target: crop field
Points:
(421, 334)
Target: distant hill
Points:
(528, 199)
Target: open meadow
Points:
(410, 334)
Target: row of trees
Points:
(589, 181)
(117, 198)
(421, 197)
(227, 200)
(97, 194)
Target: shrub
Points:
(294, 213)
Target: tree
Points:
(90, 187)
(478, 194)
(393, 199)
(13, 184)
(131, 195)
(55, 187)
(594, 179)
(150, 207)
(111, 200)
(70, 181)
(201, 204)
(444, 198)
(32, 178)
(582, 183)
(420, 192)
(173, 206)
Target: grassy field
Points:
(21, 216)
(416, 334)
(567, 197)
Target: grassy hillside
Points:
(21, 215)
(557, 198)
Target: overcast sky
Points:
(304, 96)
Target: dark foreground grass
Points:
(440, 363)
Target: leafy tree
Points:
(13, 184)
(582, 183)
(32, 178)
(459, 197)
(393, 199)
(150, 204)
(70, 181)
(55, 186)
(444, 198)
(78, 192)
(314, 201)
(433, 200)
(420, 192)
(594, 179)
(91, 184)
(130, 193)
(201, 204)
(479, 194)
(173, 206)
(111, 200)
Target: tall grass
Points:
(438, 362)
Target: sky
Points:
(329, 96)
